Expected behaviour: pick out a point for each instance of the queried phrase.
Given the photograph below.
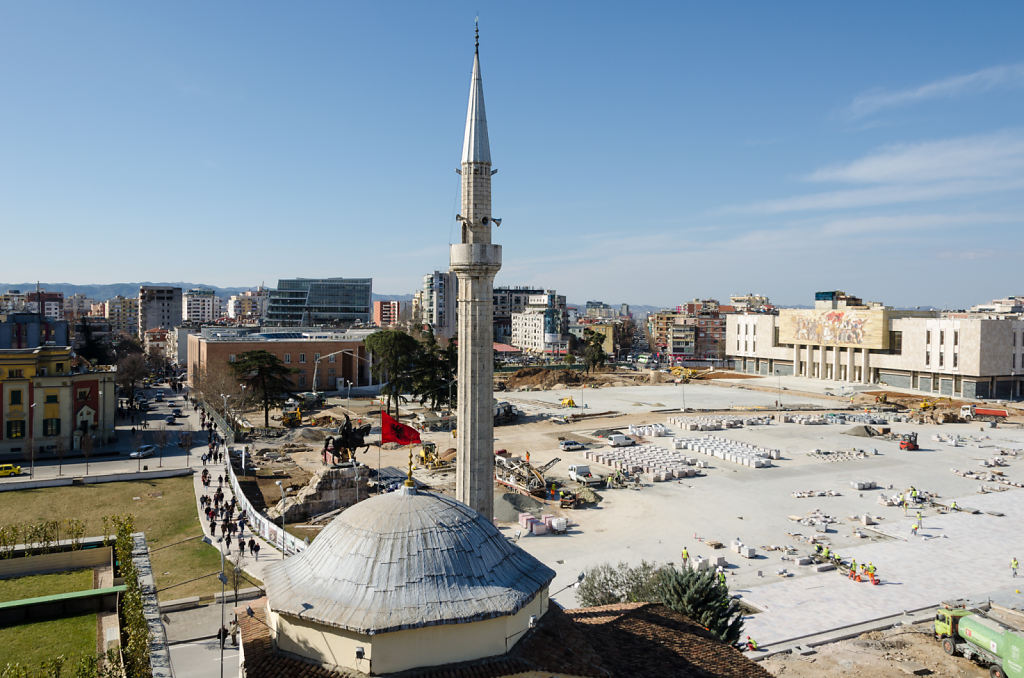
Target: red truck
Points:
(971, 412)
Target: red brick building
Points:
(341, 355)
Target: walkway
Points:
(252, 566)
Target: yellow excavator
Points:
(291, 419)
(430, 459)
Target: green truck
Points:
(981, 638)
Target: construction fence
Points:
(269, 531)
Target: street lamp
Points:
(31, 447)
(284, 504)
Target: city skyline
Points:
(648, 157)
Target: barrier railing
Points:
(269, 531)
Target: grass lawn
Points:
(164, 508)
(37, 585)
(30, 644)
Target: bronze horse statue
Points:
(343, 446)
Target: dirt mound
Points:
(860, 430)
(508, 506)
(538, 377)
(304, 434)
(588, 496)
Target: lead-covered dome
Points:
(404, 560)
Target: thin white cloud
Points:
(991, 155)
(907, 173)
(876, 196)
(1005, 76)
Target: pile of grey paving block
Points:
(733, 451)
(660, 464)
(717, 422)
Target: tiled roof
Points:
(644, 639)
(632, 639)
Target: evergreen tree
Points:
(702, 598)
(265, 378)
(593, 349)
(395, 356)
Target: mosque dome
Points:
(406, 560)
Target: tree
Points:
(131, 369)
(569, 359)
(395, 356)
(93, 349)
(698, 595)
(702, 598)
(265, 378)
(593, 349)
(435, 371)
(607, 584)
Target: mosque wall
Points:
(400, 650)
(451, 643)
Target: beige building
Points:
(46, 408)
(953, 354)
(123, 314)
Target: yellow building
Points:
(48, 408)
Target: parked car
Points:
(171, 419)
(143, 452)
(10, 470)
(176, 412)
(569, 445)
(158, 397)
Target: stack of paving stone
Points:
(657, 462)
(733, 451)
(716, 423)
(652, 431)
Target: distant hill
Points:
(104, 292)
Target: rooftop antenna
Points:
(476, 24)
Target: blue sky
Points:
(647, 152)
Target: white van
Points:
(619, 440)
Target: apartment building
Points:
(158, 307)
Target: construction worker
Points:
(853, 567)
(751, 644)
(913, 493)
(686, 557)
(920, 519)
(952, 506)
(824, 552)
(1013, 567)
(721, 578)
(913, 529)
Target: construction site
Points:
(838, 519)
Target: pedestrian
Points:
(213, 527)
(220, 481)
(257, 550)
(227, 540)
(222, 636)
(1013, 566)
(252, 546)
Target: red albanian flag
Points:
(392, 431)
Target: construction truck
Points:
(972, 412)
(908, 441)
(582, 474)
(983, 639)
(291, 419)
(504, 412)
